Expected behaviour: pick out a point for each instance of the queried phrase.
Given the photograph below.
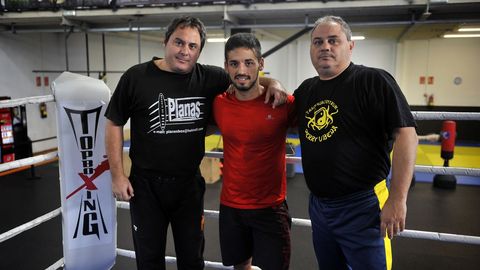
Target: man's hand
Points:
(274, 88)
(231, 89)
(393, 215)
(122, 188)
(394, 211)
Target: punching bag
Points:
(89, 222)
(447, 135)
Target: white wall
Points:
(276, 64)
(212, 54)
(305, 69)
(297, 64)
(20, 54)
(444, 59)
(380, 53)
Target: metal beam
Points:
(288, 40)
(19, 29)
(87, 52)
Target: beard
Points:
(245, 88)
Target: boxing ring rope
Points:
(169, 259)
(29, 225)
(131, 254)
(436, 236)
(295, 160)
(28, 100)
(27, 161)
(418, 115)
(444, 237)
(448, 170)
(469, 116)
(418, 168)
(56, 265)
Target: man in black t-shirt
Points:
(348, 116)
(169, 102)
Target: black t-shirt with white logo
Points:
(346, 129)
(169, 113)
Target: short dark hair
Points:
(335, 19)
(244, 40)
(186, 21)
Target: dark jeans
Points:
(158, 202)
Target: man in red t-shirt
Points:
(254, 218)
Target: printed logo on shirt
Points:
(320, 121)
(269, 117)
(175, 113)
(90, 219)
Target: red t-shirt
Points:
(253, 134)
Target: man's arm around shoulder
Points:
(274, 88)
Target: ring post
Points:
(88, 207)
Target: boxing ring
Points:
(427, 235)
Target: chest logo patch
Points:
(320, 121)
(177, 113)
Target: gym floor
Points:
(429, 209)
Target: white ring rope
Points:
(436, 236)
(33, 223)
(27, 161)
(216, 154)
(448, 170)
(169, 259)
(420, 115)
(444, 237)
(465, 239)
(418, 168)
(27, 226)
(58, 264)
(28, 100)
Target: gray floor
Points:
(448, 211)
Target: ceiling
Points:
(274, 19)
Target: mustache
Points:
(182, 58)
(241, 76)
(326, 55)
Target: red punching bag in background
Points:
(448, 135)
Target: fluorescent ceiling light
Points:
(217, 39)
(469, 29)
(461, 35)
(358, 37)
